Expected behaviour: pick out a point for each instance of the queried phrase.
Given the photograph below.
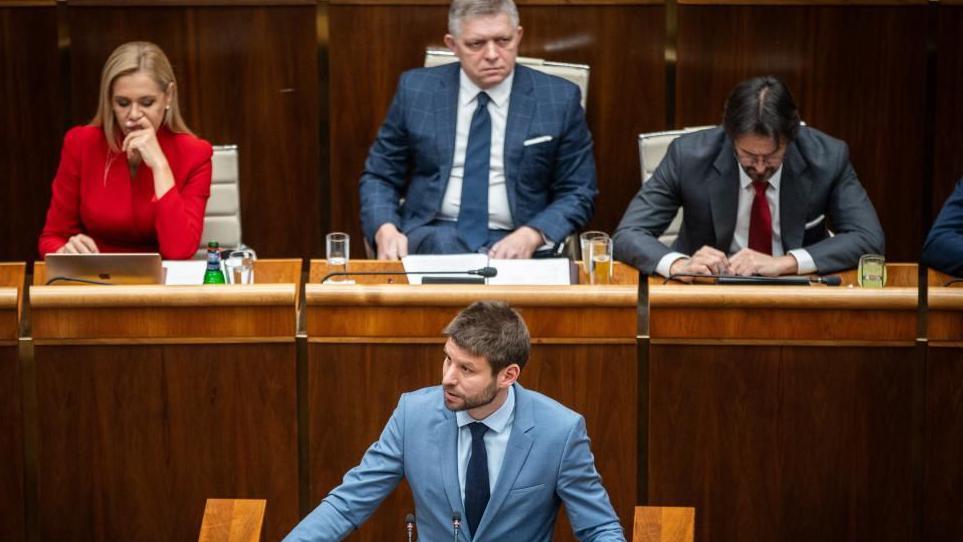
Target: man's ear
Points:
(509, 375)
(450, 42)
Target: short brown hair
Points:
(493, 330)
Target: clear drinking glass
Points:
(337, 251)
(584, 239)
(239, 266)
(600, 250)
(872, 271)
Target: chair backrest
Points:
(576, 73)
(652, 149)
(664, 524)
(222, 218)
(232, 520)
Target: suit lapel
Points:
(723, 188)
(794, 190)
(521, 111)
(446, 119)
(446, 440)
(516, 453)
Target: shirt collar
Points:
(745, 181)
(496, 421)
(499, 93)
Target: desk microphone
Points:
(757, 280)
(483, 273)
(410, 526)
(455, 523)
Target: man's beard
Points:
(764, 176)
(481, 399)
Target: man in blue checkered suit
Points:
(541, 172)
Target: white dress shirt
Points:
(499, 212)
(496, 440)
(740, 237)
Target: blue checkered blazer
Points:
(551, 185)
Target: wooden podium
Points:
(153, 399)
(786, 413)
(369, 342)
(943, 498)
(12, 525)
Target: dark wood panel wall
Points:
(259, 76)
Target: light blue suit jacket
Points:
(944, 245)
(547, 462)
(551, 185)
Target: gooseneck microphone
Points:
(410, 526)
(483, 273)
(757, 280)
(455, 524)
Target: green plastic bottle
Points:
(213, 275)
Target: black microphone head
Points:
(487, 272)
(410, 518)
(832, 280)
(455, 517)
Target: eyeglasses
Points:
(748, 159)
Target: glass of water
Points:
(585, 239)
(337, 251)
(600, 251)
(239, 266)
(872, 271)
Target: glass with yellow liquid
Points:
(600, 252)
(872, 271)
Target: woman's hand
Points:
(79, 244)
(141, 145)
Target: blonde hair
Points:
(133, 57)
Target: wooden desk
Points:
(153, 399)
(368, 343)
(786, 413)
(11, 429)
(943, 500)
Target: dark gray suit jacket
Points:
(700, 173)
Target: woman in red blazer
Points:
(135, 179)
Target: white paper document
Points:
(551, 271)
(184, 272)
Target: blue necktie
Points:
(473, 214)
(476, 479)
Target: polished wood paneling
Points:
(31, 106)
(942, 500)
(248, 76)
(341, 376)
(232, 520)
(12, 524)
(848, 82)
(622, 44)
(134, 439)
(575, 364)
(664, 524)
(784, 443)
(948, 160)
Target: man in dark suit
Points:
(481, 155)
(943, 250)
(481, 446)
(759, 197)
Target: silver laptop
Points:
(76, 269)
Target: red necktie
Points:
(760, 220)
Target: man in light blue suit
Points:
(480, 155)
(480, 447)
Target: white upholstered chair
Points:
(652, 148)
(222, 218)
(576, 73)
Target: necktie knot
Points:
(478, 430)
(760, 187)
(483, 99)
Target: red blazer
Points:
(94, 194)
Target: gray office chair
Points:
(222, 217)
